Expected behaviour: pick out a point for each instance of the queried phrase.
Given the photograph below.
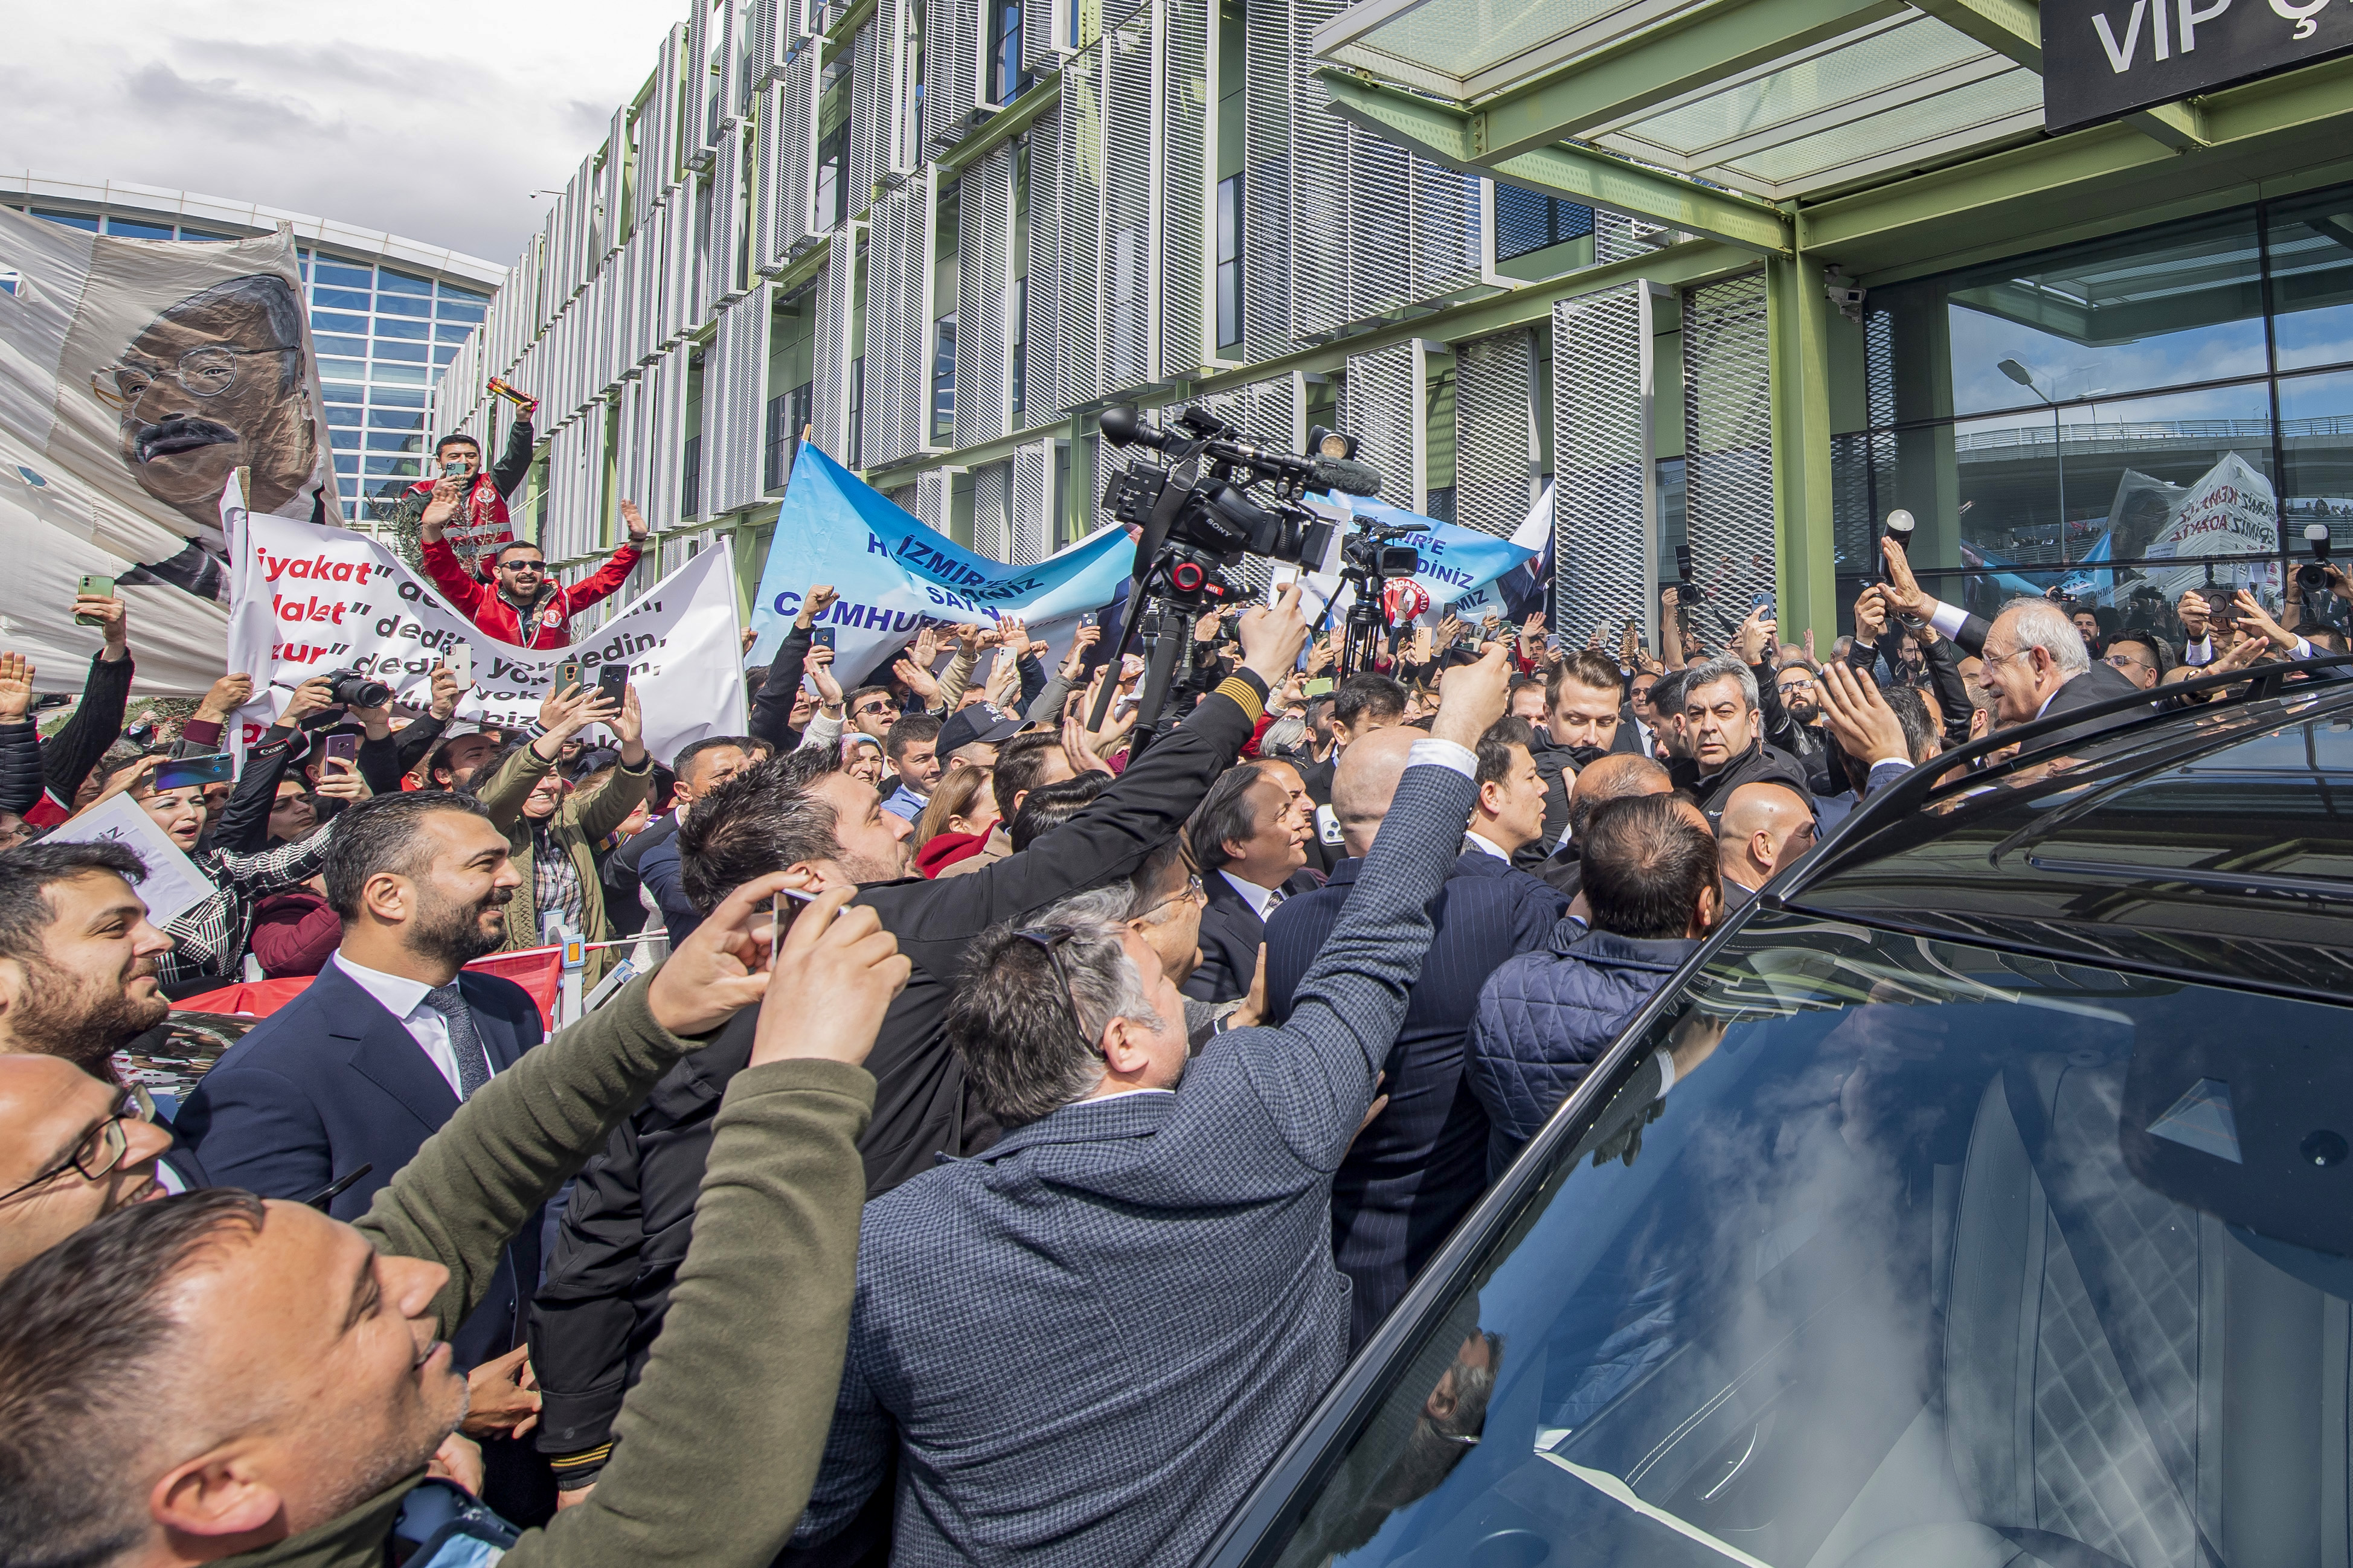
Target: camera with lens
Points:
(1212, 516)
(1687, 588)
(354, 689)
(1369, 552)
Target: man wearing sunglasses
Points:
(522, 604)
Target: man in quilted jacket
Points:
(1654, 890)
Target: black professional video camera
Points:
(1197, 519)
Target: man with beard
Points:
(215, 383)
(359, 1070)
(1802, 734)
(1583, 697)
(77, 984)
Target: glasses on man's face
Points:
(100, 1152)
(869, 710)
(1053, 940)
(1192, 892)
(523, 565)
(205, 372)
(2121, 661)
(1804, 683)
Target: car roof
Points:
(2214, 843)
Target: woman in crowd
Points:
(956, 823)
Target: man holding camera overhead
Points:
(522, 604)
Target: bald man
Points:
(72, 1150)
(1421, 1164)
(1612, 777)
(1765, 826)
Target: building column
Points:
(1798, 323)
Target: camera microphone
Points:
(2317, 535)
(1900, 524)
(1347, 476)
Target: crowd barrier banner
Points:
(135, 376)
(895, 574)
(311, 601)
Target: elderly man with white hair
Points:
(2034, 660)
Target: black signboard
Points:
(2101, 58)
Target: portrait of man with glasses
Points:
(215, 383)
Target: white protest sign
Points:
(174, 885)
(314, 600)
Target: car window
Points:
(1884, 1250)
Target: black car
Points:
(1980, 1196)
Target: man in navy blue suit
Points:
(1421, 1164)
(367, 1063)
(1251, 838)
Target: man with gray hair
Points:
(1142, 1266)
(1726, 737)
(2035, 663)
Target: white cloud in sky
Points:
(430, 119)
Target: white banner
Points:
(135, 376)
(313, 600)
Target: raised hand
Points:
(16, 687)
(820, 599)
(339, 779)
(1859, 717)
(634, 521)
(917, 680)
(439, 508)
(1471, 697)
(315, 695)
(722, 968)
(1902, 590)
(838, 951)
(446, 692)
(227, 694)
(1272, 636)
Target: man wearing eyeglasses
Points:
(522, 604)
(2134, 657)
(73, 1149)
(214, 383)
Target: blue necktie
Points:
(465, 1044)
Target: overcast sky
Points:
(430, 119)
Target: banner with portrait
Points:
(136, 376)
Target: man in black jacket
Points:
(1583, 699)
(631, 1215)
(1728, 736)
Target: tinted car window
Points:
(1925, 1255)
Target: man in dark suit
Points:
(1249, 836)
(1611, 778)
(1154, 1231)
(1422, 1162)
(371, 1060)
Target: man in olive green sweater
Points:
(210, 1379)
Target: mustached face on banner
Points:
(215, 383)
(1403, 599)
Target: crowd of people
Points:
(1018, 1137)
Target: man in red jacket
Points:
(522, 604)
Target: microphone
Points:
(1347, 476)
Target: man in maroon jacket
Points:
(521, 604)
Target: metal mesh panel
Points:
(951, 70)
(1319, 288)
(895, 49)
(1031, 503)
(1380, 221)
(903, 497)
(1187, 189)
(1266, 178)
(897, 326)
(992, 517)
(1381, 405)
(728, 84)
(735, 403)
(700, 123)
(1263, 410)
(1079, 173)
(794, 104)
(1129, 123)
(933, 489)
(829, 353)
(1604, 501)
(1728, 437)
(1040, 377)
(1495, 448)
(983, 392)
(1617, 238)
(1039, 54)
(866, 113)
(726, 197)
(1446, 238)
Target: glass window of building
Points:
(1229, 261)
(944, 378)
(2121, 420)
(1007, 79)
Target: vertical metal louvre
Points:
(992, 515)
(1320, 288)
(1079, 176)
(1605, 493)
(951, 71)
(795, 105)
(1131, 238)
(1040, 379)
(735, 402)
(867, 132)
(830, 355)
(1266, 178)
(1187, 188)
(934, 488)
(1496, 413)
(984, 401)
(1447, 237)
(726, 195)
(1617, 238)
(1378, 214)
(1381, 406)
(1728, 439)
(897, 326)
(1031, 504)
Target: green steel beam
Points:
(1682, 55)
(1797, 312)
(2255, 132)
(1447, 133)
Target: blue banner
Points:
(1463, 570)
(894, 575)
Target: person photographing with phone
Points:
(521, 604)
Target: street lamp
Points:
(2025, 378)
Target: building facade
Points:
(388, 314)
(1738, 275)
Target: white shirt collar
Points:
(400, 994)
(1479, 841)
(1260, 899)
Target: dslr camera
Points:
(354, 689)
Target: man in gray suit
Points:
(1142, 1267)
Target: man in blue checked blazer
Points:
(1088, 1341)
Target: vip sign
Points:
(2102, 58)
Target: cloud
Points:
(222, 107)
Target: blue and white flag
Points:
(1462, 569)
(894, 575)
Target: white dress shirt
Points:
(405, 999)
(1261, 900)
(1479, 841)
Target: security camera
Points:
(1843, 292)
